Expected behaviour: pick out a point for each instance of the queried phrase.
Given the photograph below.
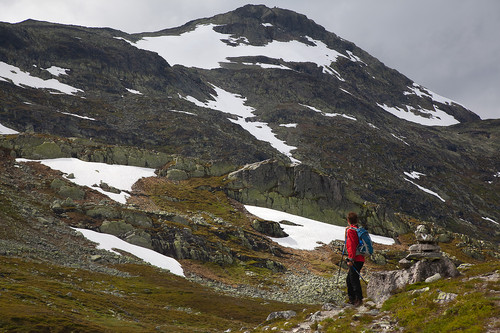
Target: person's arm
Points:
(351, 245)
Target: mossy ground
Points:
(476, 304)
(41, 297)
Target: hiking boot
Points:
(358, 302)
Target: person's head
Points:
(352, 218)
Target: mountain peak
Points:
(261, 24)
(248, 85)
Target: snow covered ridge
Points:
(24, 79)
(235, 105)
(308, 233)
(186, 48)
(89, 174)
(112, 243)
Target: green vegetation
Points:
(195, 194)
(41, 297)
(417, 309)
(471, 310)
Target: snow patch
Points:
(416, 175)
(490, 220)
(88, 174)
(6, 131)
(400, 139)
(77, 116)
(134, 91)
(294, 125)
(234, 104)
(263, 65)
(56, 71)
(421, 91)
(24, 79)
(436, 117)
(307, 234)
(184, 112)
(328, 114)
(111, 243)
(355, 58)
(347, 92)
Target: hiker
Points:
(355, 262)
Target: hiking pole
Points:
(358, 273)
(340, 263)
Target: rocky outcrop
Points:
(35, 146)
(383, 284)
(302, 190)
(296, 189)
(182, 168)
(269, 228)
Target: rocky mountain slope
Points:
(333, 112)
(260, 106)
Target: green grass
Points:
(195, 194)
(42, 297)
(474, 305)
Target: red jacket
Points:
(352, 242)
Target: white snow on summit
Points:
(204, 40)
(20, 79)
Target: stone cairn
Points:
(426, 247)
(424, 261)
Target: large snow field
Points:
(309, 232)
(186, 48)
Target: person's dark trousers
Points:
(354, 290)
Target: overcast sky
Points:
(452, 47)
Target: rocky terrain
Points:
(120, 103)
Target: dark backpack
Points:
(365, 246)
